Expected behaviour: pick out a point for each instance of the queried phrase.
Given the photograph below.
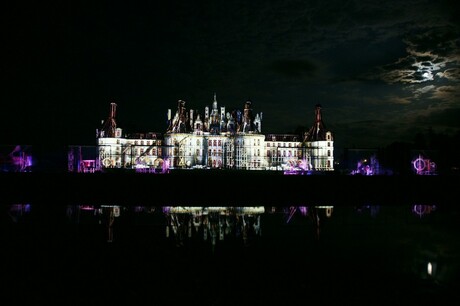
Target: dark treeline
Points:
(397, 157)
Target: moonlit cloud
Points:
(452, 74)
(423, 90)
(398, 100)
(449, 94)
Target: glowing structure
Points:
(319, 143)
(423, 209)
(82, 159)
(142, 151)
(367, 167)
(219, 140)
(231, 140)
(424, 166)
(18, 159)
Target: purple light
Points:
(303, 210)
(423, 166)
(422, 209)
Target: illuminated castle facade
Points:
(218, 139)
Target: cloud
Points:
(431, 54)
(452, 74)
(423, 90)
(399, 100)
(447, 93)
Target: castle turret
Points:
(258, 124)
(318, 129)
(109, 127)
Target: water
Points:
(102, 254)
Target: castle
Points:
(220, 139)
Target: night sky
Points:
(382, 70)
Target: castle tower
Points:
(109, 128)
(319, 144)
(318, 130)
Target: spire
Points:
(214, 103)
(110, 125)
(318, 130)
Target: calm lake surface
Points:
(99, 253)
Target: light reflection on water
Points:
(402, 248)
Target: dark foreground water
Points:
(151, 255)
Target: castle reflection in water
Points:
(406, 250)
(210, 224)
